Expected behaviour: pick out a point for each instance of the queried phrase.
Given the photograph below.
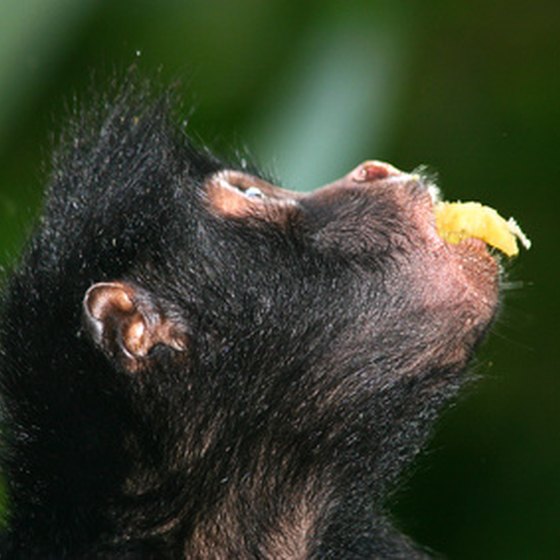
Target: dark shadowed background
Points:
(471, 88)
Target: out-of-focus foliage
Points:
(311, 89)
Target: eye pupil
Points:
(254, 192)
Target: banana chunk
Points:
(456, 221)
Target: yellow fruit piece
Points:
(456, 221)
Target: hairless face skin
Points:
(198, 364)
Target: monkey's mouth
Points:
(474, 222)
(459, 242)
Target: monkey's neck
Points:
(310, 520)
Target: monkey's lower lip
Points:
(473, 244)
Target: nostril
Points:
(373, 171)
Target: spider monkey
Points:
(198, 364)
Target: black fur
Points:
(316, 351)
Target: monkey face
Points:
(369, 243)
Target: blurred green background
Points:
(471, 88)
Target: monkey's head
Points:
(299, 313)
(249, 270)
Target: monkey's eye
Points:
(253, 192)
(235, 194)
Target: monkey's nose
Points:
(373, 170)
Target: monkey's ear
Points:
(127, 323)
